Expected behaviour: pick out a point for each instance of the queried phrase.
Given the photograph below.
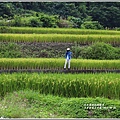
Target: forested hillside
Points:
(92, 15)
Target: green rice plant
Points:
(83, 39)
(57, 64)
(68, 85)
(32, 30)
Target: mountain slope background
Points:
(87, 15)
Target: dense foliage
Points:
(97, 51)
(61, 14)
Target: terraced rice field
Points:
(57, 64)
(105, 84)
(68, 85)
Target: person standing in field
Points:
(68, 58)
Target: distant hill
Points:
(106, 13)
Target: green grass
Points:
(69, 85)
(56, 63)
(30, 30)
(30, 104)
(83, 39)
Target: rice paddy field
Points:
(82, 39)
(57, 63)
(54, 86)
(65, 85)
(31, 30)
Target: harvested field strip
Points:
(76, 85)
(83, 39)
(57, 64)
(29, 30)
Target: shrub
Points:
(65, 24)
(98, 50)
(76, 21)
(76, 50)
(101, 51)
(17, 21)
(48, 21)
(91, 25)
(34, 22)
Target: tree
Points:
(106, 13)
(76, 22)
(34, 22)
(6, 10)
(48, 21)
(108, 16)
(17, 21)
